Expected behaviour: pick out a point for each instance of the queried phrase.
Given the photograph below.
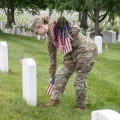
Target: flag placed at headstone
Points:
(21, 59)
(106, 46)
(51, 86)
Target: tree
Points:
(76, 5)
(91, 8)
(106, 7)
(10, 6)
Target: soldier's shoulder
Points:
(75, 29)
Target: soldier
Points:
(79, 56)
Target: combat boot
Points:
(52, 103)
(81, 109)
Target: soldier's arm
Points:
(52, 52)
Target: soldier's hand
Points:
(50, 79)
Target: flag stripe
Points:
(49, 88)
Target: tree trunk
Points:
(84, 21)
(96, 13)
(10, 17)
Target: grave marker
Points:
(3, 57)
(109, 36)
(106, 114)
(98, 42)
(3, 25)
(29, 81)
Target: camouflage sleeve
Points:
(75, 29)
(52, 52)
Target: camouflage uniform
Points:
(80, 61)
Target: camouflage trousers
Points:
(81, 68)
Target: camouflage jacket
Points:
(81, 47)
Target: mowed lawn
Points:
(103, 83)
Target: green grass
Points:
(103, 83)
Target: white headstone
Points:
(8, 31)
(3, 57)
(81, 30)
(12, 24)
(23, 24)
(14, 29)
(98, 42)
(23, 31)
(29, 81)
(38, 37)
(88, 34)
(109, 36)
(18, 31)
(118, 38)
(106, 114)
(3, 25)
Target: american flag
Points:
(68, 46)
(106, 46)
(64, 41)
(21, 59)
(51, 86)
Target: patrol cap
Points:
(34, 23)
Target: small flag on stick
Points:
(106, 46)
(21, 60)
(51, 86)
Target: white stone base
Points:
(106, 114)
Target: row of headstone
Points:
(109, 36)
(26, 17)
(8, 31)
(15, 30)
(3, 16)
(105, 27)
(28, 74)
(102, 25)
